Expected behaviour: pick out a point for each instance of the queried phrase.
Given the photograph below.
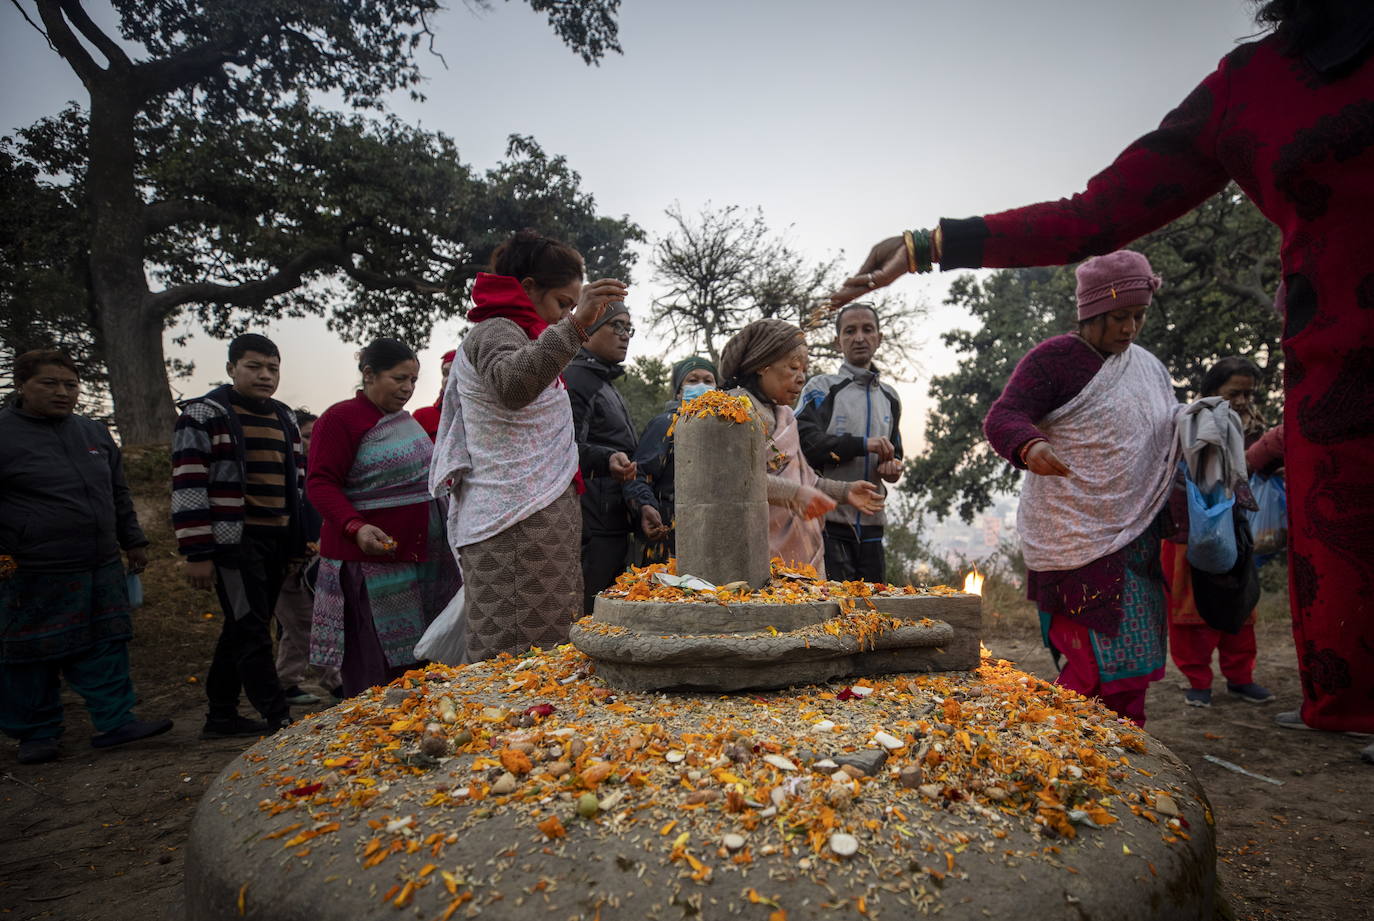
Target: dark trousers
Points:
(850, 557)
(31, 692)
(248, 583)
(603, 558)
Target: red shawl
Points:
(503, 296)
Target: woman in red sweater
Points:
(1289, 118)
(385, 570)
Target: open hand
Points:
(1041, 459)
(373, 541)
(810, 502)
(201, 575)
(594, 298)
(651, 524)
(137, 557)
(622, 468)
(886, 263)
(865, 497)
(882, 447)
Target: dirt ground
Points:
(100, 835)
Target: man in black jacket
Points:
(65, 514)
(615, 502)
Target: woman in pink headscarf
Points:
(1090, 416)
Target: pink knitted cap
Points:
(1119, 279)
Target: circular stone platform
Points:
(724, 645)
(528, 788)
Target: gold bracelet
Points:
(910, 242)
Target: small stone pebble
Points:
(558, 768)
(930, 790)
(910, 776)
(888, 741)
(843, 845)
(732, 842)
(434, 746)
(588, 805)
(995, 793)
(503, 784)
(779, 762)
(674, 757)
(1165, 805)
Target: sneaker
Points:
(235, 726)
(1198, 697)
(1251, 692)
(276, 725)
(37, 751)
(298, 698)
(1292, 719)
(131, 731)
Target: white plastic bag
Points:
(446, 638)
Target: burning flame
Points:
(973, 583)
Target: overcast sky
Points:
(847, 122)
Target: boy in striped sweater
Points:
(237, 472)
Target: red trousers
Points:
(1080, 672)
(1192, 645)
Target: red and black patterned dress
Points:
(1300, 142)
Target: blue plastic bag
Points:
(1211, 530)
(134, 585)
(1269, 523)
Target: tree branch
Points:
(287, 278)
(187, 67)
(60, 36)
(108, 47)
(37, 28)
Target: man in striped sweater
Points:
(237, 472)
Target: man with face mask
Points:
(849, 427)
(654, 457)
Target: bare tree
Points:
(724, 268)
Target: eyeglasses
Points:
(624, 330)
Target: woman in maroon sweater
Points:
(1090, 416)
(385, 570)
(1290, 119)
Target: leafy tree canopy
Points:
(1220, 268)
(199, 177)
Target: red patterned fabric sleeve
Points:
(1156, 179)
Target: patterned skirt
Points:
(1134, 657)
(524, 585)
(53, 615)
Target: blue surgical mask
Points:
(692, 391)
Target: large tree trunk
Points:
(131, 331)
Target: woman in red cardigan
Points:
(1289, 118)
(385, 569)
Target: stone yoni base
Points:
(645, 645)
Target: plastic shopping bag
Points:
(446, 638)
(1211, 531)
(1270, 523)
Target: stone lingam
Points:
(748, 624)
(558, 785)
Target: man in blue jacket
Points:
(849, 428)
(65, 514)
